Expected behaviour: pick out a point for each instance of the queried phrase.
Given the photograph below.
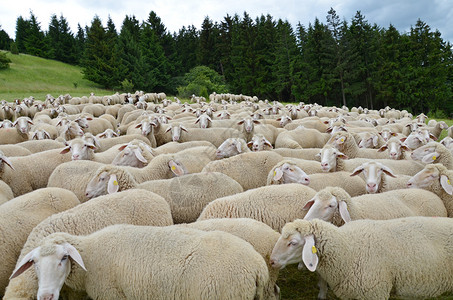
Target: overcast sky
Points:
(438, 14)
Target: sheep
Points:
(248, 129)
(307, 153)
(6, 193)
(301, 138)
(214, 135)
(346, 144)
(258, 234)
(41, 145)
(231, 147)
(259, 143)
(105, 144)
(273, 205)
(189, 194)
(173, 147)
(20, 215)
(98, 125)
(134, 154)
(52, 132)
(96, 110)
(437, 179)
(370, 140)
(437, 129)
(137, 207)
(308, 122)
(396, 148)
(335, 205)
(206, 265)
(434, 152)
(14, 150)
(108, 133)
(392, 256)
(27, 173)
(249, 169)
(333, 160)
(147, 130)
(375, 176)
(288, 171)
(70, 131)
(82, 150)
(163, 166)
(18, 134)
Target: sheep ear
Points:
(403, 139)
(241, 122)
(46, 134)
(278, 173)
(25, 263)
(266, 142)
(341, 140)
(121, 148)
(375, 140)
(176, 168)
(256, 122)
(446, 184)
(344, 213)
(168, 129)
(341, 155)
(405, 147)
(383, 148)
(198, 120)
(65, 150)
(388, 171)
(318, 157)
(74, 254)
(139, 155)
(183, 128)
(357, 171)
(431, 136)
(238, 146)
(112, 185)
(309, 253)
(308, 205)
(430, 158)
(138, 125)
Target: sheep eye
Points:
(65, 257)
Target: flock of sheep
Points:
(135, 196)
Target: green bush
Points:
(14, 49)
(127, 85)
(4, 61)
(201, 81)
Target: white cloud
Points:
(176, 13)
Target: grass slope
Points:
(34, 76)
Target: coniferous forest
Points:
(331, 62)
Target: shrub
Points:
(201, 81)
(4, 61)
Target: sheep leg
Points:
(323, 288)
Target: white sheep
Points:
(134, 154)
(108, 133)
(396, 148)
(14, 150)
(368, 259)
(83, 150)
(105, 144)
(258, 234)
(27, 173)
(273, 205)
(437, 179)
(335, 205)
(231, 147)
(18, 134)
(6, 193)
(249, 169)
(173, 147)
(189, 194)
(301, 138)
(380, 178)
(187, 263)
(214, 135)
(41, 145)
(259, 143)
(20, 215)
(137, 207)
(345, 143)
(434, 152)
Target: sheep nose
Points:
(273, 262)
(323, 164)
(371, 185)
(47, 297)
(75, 156)
(409, 184)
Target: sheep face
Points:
(328, 157)
(23, 124)
(98, 185)
(108, 133)
(425, 178)
(204, 121)
(80, 150)
(395, 148)
(372, 172)
(284, 120)
(249, 124)
(40, 135)
(130, 155)
(176, 132)
(323, 206)
(290, 173)
(258, 143)
(52, 267)
(230, 147)
(369, 141)
(287, 251)
(146, 127)
(426, 154)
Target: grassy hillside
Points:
(34, 76)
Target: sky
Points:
(403, 14)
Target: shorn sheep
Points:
(273, 205)
(334, 204)
(146, 262)
(20, 215)
(137, 207)
(367, 259)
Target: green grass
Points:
(34, 76)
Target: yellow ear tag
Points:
(434, 157)
(448, 181)
(275, 173)
(313, 250)
(342, 140)
(115, 182)
(173, 168)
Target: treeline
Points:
(338, 62)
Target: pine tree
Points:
(206, 51)
(5, 40)
(187, 44)
(80, 40)
(22, 27)
(34, 42)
